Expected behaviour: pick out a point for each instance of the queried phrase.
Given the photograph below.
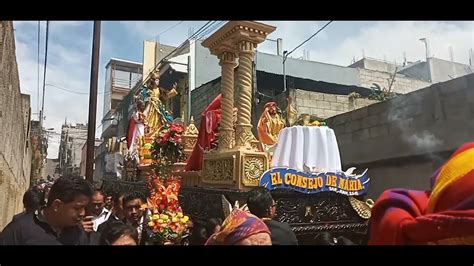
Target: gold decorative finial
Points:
(191, 129)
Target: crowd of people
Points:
(71, 212)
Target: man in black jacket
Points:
(262, 205)
(32, 200)
(136, 217)
(56, 224)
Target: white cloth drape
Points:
(315, 147)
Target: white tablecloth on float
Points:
(310, 146)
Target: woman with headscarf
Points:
(241, 228)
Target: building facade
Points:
(121, 77)
(15, 116)
(73, 138)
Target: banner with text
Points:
(311, 183)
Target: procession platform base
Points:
(308, 215)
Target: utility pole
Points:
(44, 77)
(93, 102)
(285, 56)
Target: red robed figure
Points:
(208, 129)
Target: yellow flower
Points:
(160, 221)
(151, 224)
(180, 215)
(164, 217)
(155, 217)
(174, 219)
(184, 219)
(147, 146)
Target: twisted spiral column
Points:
(226, 129)
(244, 127)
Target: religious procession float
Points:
(197, 174)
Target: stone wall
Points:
(15, 153)
(324, 105)
(403, 140)
(401, 84)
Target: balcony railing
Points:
(127, 84)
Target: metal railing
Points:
(125, 83)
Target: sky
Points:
(70, 50)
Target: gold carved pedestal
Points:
(190, 135)
(238, 169)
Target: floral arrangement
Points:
(168, 149)
(165, 217)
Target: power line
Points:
(75, 92)
(211, 29)
(168, 29)
(287, 54)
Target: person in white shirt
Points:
(97, 213)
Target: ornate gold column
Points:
(226, 130)
(235, 166)
(244, 125)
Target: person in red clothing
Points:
(444, 215)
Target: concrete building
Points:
(121, 76)
(73, 138)
(385, 75)
(15, 116)
(437, 70)
(154, 52)
(410, 76)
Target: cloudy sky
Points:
(70, 45)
